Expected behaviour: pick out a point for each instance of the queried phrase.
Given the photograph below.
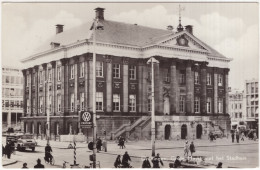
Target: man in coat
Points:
(125, 160)
(146, 163)
(156, 160)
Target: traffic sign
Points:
(86, 119)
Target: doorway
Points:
(167, 132)
(183, 131)
(199, 131)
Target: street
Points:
(231, 155)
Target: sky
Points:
(230, 28)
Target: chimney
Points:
(59, 28)
(189, 29)
(170, 27)
(100, 13)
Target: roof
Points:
(117, 33)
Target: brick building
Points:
(191, 82)
(236, 99)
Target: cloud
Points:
(23, 38)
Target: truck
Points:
(22, 141)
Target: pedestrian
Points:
(125, 160)
(219, 165)
(8, 150)
(242, 136)
(237, 136)
(233, 137)
(146, 163)
(3, 151)
(156, 160)
(255, 137)
(39, 165)
(99, 144)
(117, 162)
(186, 149)
(120, 143)
(123, 143)
(192, 148)
(24, 166)
(177, 162)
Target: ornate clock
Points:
(182, 41)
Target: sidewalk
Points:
(6, 161)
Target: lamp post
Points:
(152, 60)
(96, 25)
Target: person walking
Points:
(99, 144)
(24, 166)
(146, 163)
(117, 162)
(39, 165)
(156, 160)
(125, 160)
(186, 149)
(8, 150)
(233, 137)
(242, 136)
(192, 148)
(237, 136)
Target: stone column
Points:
(64, 85)
(54, 88)
(215, 91)
(141, 78)
(90, 84)
(203, 78)
(189, 86)
(36, 88)
(108, 73)
(173, 87)
(24, 92)
(76, 77)
(226, 111)
(160, 79)
(45, 89)
(30, 91)
(86, 78)
(125, 84)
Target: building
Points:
(251, 103)
(191, 82)
(12, 97)
(236, 107)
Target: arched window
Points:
(166, 105)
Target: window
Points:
(50, 104)
(72, 71)
(197, 105)
(50, 74)
(116, 102)
(59, 73)
(7, 79)
(220, 80)
(240, 105)
(209, 105)
(220, 105)
(149, 105)
(182, 103)
(99, 69)
(41, 104)
(116, 71)
(99, 101)
(149, 75)
(182, 77)
(208, 79)
(81, 69)
(59, 103)
(72, 102)
(28, 106)
(240, 115)
(235, 106)
(196, 77)
(82, 101)
(132, 72)
(252, 89)
(167, 76)
(132, 103)
(235, 115)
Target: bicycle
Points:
(51, 162)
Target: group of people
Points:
(121, 142)
(8, 149)
(38, 165)
(124, 163)
(188, 148)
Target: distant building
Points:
(236, 106)
(191, 82)
(251, 103)
(12, 97)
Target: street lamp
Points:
(152, 60)
(97, 26)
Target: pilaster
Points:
(189, 86)
(125, 84)
(215, 91)
(90, 82)
(173, 87)
(226, 92)
(109, 83)
(203, 101)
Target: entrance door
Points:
(167, 132)
(199, 131)
(183, 131)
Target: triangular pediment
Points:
(184, 39)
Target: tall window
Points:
(50, 74)
(208, 79)
(99, 101)
(59, 103)
(149, 105)
(182, 77)
(132, 72)
(81, 69)
(220, 105)
(209, 105)
(72, 71)
(197, 105)
(116, 70)
(196, 77)
(182, 103)
(220, 80)
(132, 103)
(82, 101)
(116, 102)
(28, 106)
(99, 69)
(72, 105)
(50, 104)
(167, 76)
(41, 104)
(59, 73)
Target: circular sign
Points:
(90, 145)
(86, 116)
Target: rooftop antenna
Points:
(180, 27)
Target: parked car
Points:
(22, 141)
(218, 134)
